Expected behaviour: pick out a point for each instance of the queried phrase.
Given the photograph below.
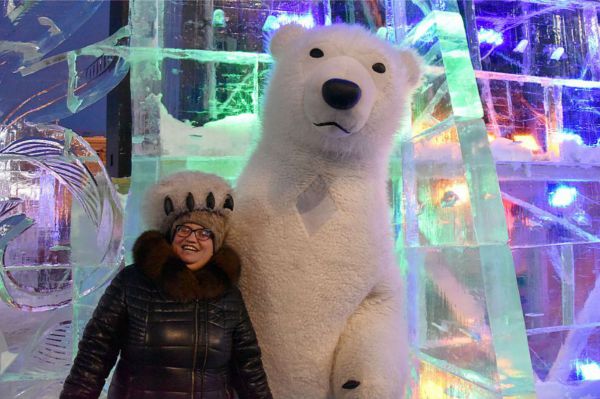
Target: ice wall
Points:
(538, 74)
(468, 328)
(494, 195)
(536, 64)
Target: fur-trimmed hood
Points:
(157, 260)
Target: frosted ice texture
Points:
(538, 89)
(461, 270)
(542, 84)
(493, 268)
(60, 242)
(60, 219)
(39, 87)
(465, 308)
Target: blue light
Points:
(562, 197)
(490, 36)
(557, 53)
(588, 371)
(273, 22)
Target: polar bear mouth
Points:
(333, 124)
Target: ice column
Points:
(469, 322)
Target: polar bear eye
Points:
(378, 67)
(316, 53)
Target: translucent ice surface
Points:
(536, 66)
(52, 185)
(495, 190)
(60, 242)
(40, 86)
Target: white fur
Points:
(177, 186)
(327, 306)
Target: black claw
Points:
(228, 202)
(189, 202)
(351, 384)
(210, 201)
(168, 205)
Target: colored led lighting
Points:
(527, 141)
(563, 196)
(588, 371)
(557, 54)
(273, 22)
(490, 36)
(521, 46)
(457, 194)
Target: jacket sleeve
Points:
(249, 377)
(100, 344)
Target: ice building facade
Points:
(494, 189)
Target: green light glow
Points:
(465, 301)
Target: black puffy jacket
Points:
(180, 334)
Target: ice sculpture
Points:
(40, 88)
(60, 240)
(536, 64)
(60, 218)
(540, 89)
(468, 326)
(459, 265)
(47, 177)
(494, 197)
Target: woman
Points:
(175, 316)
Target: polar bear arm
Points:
(371, 355)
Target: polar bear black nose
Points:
(340, 93)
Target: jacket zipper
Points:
(205, 347)
(195, 347)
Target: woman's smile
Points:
(193, 252)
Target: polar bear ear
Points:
(283, 37)
(413, 66)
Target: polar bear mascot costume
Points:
(312, 223)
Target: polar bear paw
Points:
(372, 388)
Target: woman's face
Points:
(193, 252)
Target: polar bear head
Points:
(337, 89)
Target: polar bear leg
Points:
(371, 359)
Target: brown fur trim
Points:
(157, 260)
(229, 261)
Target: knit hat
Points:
(189, 197)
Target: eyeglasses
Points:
(202, 234)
